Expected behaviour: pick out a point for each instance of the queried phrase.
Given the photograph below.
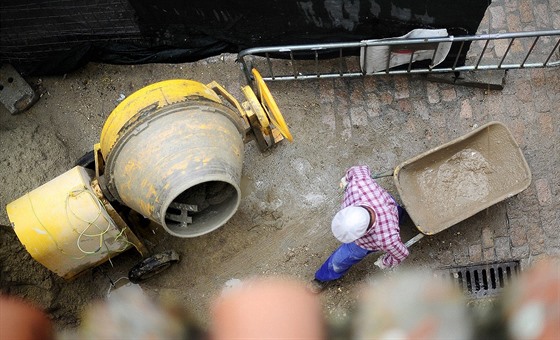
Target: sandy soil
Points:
(281, 227)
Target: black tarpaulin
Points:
(56, 37)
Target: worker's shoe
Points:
(315, 286)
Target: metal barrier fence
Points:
(503, 51)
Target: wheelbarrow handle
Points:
(408, 243)
(414, 240)
(387, 173)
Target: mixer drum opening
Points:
(202, 208)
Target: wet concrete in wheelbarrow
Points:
(458, 179)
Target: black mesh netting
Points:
(56, 37)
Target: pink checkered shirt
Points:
(384, 235)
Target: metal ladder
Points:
(487, 52)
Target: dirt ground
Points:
(290, 193)
(280, 228)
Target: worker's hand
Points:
(343, 183)
(379, 262)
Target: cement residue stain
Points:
(457, 183)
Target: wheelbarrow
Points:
(456, 180)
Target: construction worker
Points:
(368, 222)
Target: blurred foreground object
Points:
(531, 305)
(21, 320)
(128, 313)
(403, 304)
(411, 305)
(267, 309)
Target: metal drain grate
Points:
(485, 280)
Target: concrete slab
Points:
(15, 93)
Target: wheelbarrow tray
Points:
(456, 180)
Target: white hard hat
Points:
(350, 223)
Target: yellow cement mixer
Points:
(172, 152)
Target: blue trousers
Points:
(347, 255)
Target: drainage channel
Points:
(484, 280)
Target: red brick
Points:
(461, 255)
(494, 106)
(370, 84)
(513, 23)
(541, 16)
(551, 244)
(538, 78)
(542, 105)
(340, 84)
(342, 109)
(527, 199)
(433, 93)
(528, 42)
(405, 106)
(411, 127)
(475, 253)
(511, 6)
(466, 109)
(500, 47)
(358, 116)
(488, 254)
(523, 92)
(484, 26)
(328, 118)
(503, 250)
(327, 101)
(386, 98)
(401, 87)
(520, 252)
(341, 95)
(516, 47)
(547, 125)
(445, 257)
(421, 109)
(448, 94)
(353, 64)
(518, 131)
(438, 121)
(487, 238)
(357, 95)
(326, 89)
(526, 11)
(550, 220)
(535, 239)
(511, 108)
(517, 233)
(498, 17)
(372, 103)
(543, 192)
(555, 17)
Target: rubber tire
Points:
(87, 160)
(152, 266)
